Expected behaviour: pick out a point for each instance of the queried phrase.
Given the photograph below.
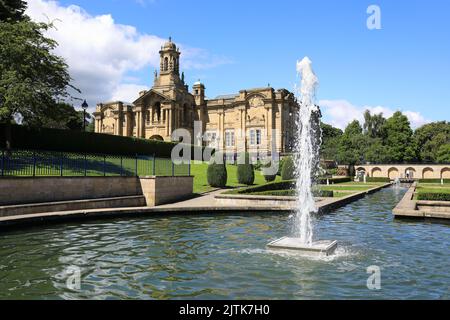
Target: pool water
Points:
(224, 257)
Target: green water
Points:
(224, 257)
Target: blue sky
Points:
(244, 44)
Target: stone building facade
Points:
(260, 119)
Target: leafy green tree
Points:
(32, 77)
(376, 151)
(351, 145)
(374, 125)
(60, 116)
(330, 141)
(12, 10)
(443, 154)
(399, 140)
(429, 138)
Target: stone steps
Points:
(86, 204)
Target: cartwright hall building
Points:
(259, 119)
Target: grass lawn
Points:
(427, 189)
(198, 170)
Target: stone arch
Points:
(445, 173)
(156, 137)
(393, 173)
(427, 173)
(377, 173)
(166, 64)
(411, 171)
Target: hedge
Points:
(433, 180)
(378, 179)
(334, 180)
(85, 142)
(265, 171)
(289, 192)
(434, 196)
(282, 185)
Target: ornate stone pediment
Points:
(256, 101)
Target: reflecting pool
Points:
(224, 257)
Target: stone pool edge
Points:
(324, 205)
(410, 208)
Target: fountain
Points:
(306, 159)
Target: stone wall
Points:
(416, 171)
(157, 190)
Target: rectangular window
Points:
(258, 137)
(255, 137)
(252, 137)
(229, 138)
(211, 138)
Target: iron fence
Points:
(48, 163)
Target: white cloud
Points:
(127, 92)
(340, 112)
(100, 52)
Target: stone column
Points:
(223, 130)
(166, 122)
(138, 124)
(116, 125)
(169, 119)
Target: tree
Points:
(12, 10)
(429, 138)
(32, 77)
(375, 151)
(399, 141)
(59, 116)
(330, 141)
(443, 154)
(374, 125)
(351, 144)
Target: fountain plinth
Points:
(317, 248)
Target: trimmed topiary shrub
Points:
(434, 196)
(216, 174)
(288, 170)
(269, 176)
(245, 171)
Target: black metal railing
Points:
(35, 163)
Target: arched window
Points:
(157, 111)
(166, 64)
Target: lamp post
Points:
(84, 106)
